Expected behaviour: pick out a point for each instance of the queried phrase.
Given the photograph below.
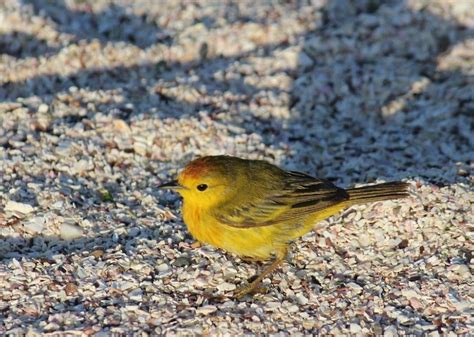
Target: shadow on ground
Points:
(112, 24)
(392, 125)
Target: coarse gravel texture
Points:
(101, 101)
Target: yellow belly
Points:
(255, 242)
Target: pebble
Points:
(416, 304)
(70, 231)
(136, 294)
(18, 208)
(293, 308)
(43, 108)
(355, 328)
(126, 285)
(226, 286)
(410, 293)
(206, 310)
(364, 240)
(182, 261)
(273, 305)
(162, 268)
(301, 299)
(70, 289)
(355, 287)
(35, 225)
(390, 331)
(98, 253)
(461, 270)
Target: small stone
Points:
(304, 61)
(301, 299)
(433, 260)
(293, 308)
(41, 123)
(34, 225)
(98, 253)
(81, 166)
(133, 232)
(182, 261)
(140, 148)
(70, 231)
(125, 285)
(301, 274)
(364, 240)
(51, 327)
(377, 329)
(403, 244)
(355, 328)
(121, 126)
(273, 305)
(390, 331)
(70, 289)
(462, 306)
(43, 108)
(379, 236)
(206, 310)
(410, 293)
(461, 269)
(355, 287)
(416, 304)
(136, 294)
(226, 286)
(308, 324)
(162, 268)
(18, 208)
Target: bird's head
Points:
(207, 181)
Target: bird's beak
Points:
(171, 185)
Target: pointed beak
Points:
(171, 185)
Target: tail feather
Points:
(379, 192)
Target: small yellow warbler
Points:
(255, 209)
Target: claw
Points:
(253, 286)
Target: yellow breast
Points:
(256, 242)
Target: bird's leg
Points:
(254, 284)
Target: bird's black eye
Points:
(202, 187)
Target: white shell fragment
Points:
(18, 208)
(70, 231)
(35, 225)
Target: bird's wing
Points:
(300, 196)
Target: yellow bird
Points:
(255, 210)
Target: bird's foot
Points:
(250, 289)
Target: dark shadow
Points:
(21, 45)
(114, 23)
(164, 77)
(366, 125)
(45, 247)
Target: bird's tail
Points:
(379, 192)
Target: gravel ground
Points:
(103, 100)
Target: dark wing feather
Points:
(300, 196)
